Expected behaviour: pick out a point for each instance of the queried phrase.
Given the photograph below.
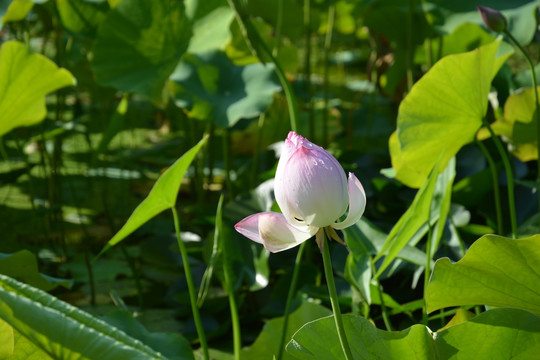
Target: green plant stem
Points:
(191, 286)
(509, 178)
(260, 49)
(535, 89)
(290, 296)
(237, 339)
(257, 152)
(307, 68)
(427, 268)
(227, 161)
(326, 72)
(496, 190)
(279, 26)
(329, 274)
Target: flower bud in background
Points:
(312, 192)
(493, 19)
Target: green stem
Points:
(227, 161)
(259, 47)
(307, 68)
(509, 178)
(279, 26)
(535, 89)
(237, 339)
(326, 76)
(191, 286)
(329, 274)
(290, 295)
(496, 191)
(256, 155)
(427, 269)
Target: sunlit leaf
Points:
(23, 266)
(318, 340)
(214, 89)
(7, 344)
(443, 112)
(62, 330)
(162, 196)
(26, 350)
(139, 44)
(494, 334)
(408, 225)
(519, 125)
(15, 11)
(25, 79)
(211, 31)
(495, 271)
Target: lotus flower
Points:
(312, 192)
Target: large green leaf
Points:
(139, 44)
(495, 271)
(496, 334)
(318, 340)
(443, 112)
(162, 196)
(211, 32)
(63, 331)
(25, 79)
(23, 266)
(212, 88)
(267, 342)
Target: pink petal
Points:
(357, 203)
(273, 231)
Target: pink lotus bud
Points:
(493, 19)
(312, 191)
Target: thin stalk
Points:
(307, 67)
(259, 47)
(191, 286)
(329, 274)
(290, 295)
(279, 26)
(410, 51)
(386, 318)
(256, 155)
(326, 72)
(496, 190)
(229, 283)
(427, 267)
(237, 338)
(135, 274)
(227, 161)
(535, 89)
(509, 178)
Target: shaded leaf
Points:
(23, 266)
(81, 17)
(171, 345)
(151, 35)
(212, 88)
(25, 79)
(495, 271)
